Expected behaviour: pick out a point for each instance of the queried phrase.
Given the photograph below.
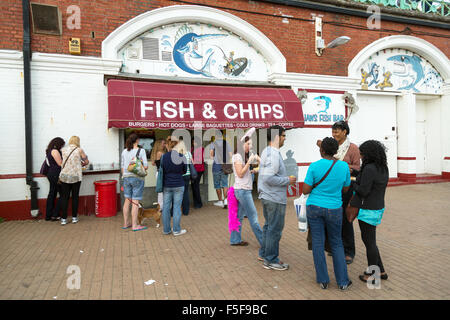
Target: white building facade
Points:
(400, 86)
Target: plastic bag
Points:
(300, 209)
(137, 167)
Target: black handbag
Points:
(194, 173)
(45, 167)
(227, 168)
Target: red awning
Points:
(138, 104)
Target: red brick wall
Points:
(295, 40)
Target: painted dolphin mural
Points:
(327, 102)
(186, 48)
(409, 63)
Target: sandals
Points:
(140, 228)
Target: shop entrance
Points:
(147, 139)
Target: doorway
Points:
(428, 135)
(421, 137)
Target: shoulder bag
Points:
(352, 212)
(308, 237)
(45, 167)
(227, 168)
(137, 167)
(194, 173)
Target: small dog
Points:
(154, 213)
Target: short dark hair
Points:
(330, 146)
(342, 125)
(279, 131)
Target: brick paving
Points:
(414, 242)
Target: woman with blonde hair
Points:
(181, 148)
(70, 176)
(159, 149)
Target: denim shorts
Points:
(220, 180)
(133, 188)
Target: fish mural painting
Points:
(185, 52)
(402, 70)
(194, 50)
(409, 67)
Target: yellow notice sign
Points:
(75, 46)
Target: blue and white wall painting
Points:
(194, 50)
(399, 69)
(323, 108)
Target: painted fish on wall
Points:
(185, 52)
(409, 67)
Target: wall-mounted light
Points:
(320, 42)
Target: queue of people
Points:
(330, 191)
(332, 185)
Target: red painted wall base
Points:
(21, 210)
(407, 177)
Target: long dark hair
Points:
(56, 143)
(131, 140)
(239, 147)
(373, 151)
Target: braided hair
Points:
(373, 151)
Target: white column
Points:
(445, 130)
(406, 131)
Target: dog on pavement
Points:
(154, 213)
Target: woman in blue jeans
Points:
(324, 209)
(133, 185)
(185, 204)
(243, 186)
(174, 167)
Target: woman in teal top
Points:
(324, 209)
(370, 188)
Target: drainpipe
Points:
(27, 99)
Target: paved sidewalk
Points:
(414, 242)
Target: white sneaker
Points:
(183, 231)
(219, 204)
(74, 220)
(63, 221)
(225, 203)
